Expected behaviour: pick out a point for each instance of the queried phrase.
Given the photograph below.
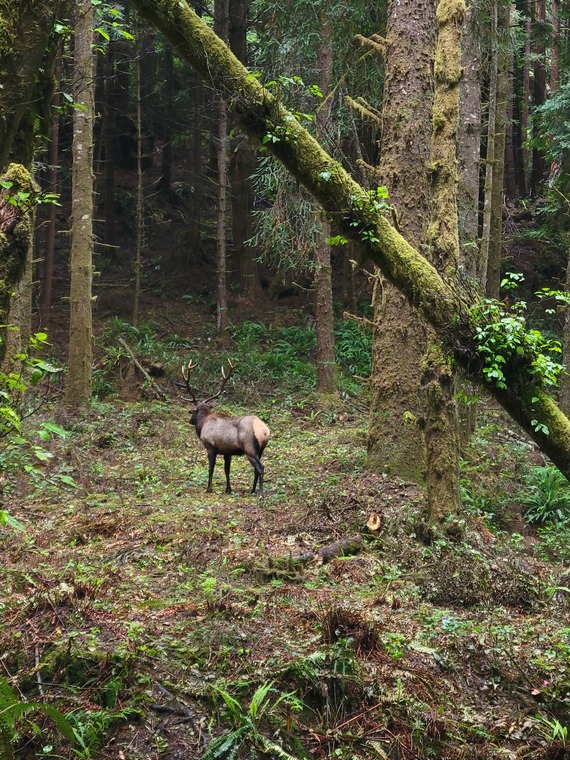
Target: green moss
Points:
(451, 11)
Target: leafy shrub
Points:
(353, 346)
(553, 543)
(287, 354)
(548, 500)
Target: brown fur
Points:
(231, 436)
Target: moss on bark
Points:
(25, 66)
(16, 231)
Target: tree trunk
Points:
(16, 239)
(555, 56)
(495, 249)
(539, 89)
(322, 283)
(52, 187)
(165, 181)
(221, 233)
(242, 166)
(25, 32)
(564, 394)
(469, 166)
(440, 377)
(526, 98)
(469, 146)
(396, 443)
(108, 138)
(484, 249)
(78, 389)
(20, 315)
(221, 16)
(444, 304)
(140, 193)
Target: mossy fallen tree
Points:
(443, 302)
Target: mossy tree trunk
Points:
(396, 442)
(469, 145)
(496, 160)
(469, 156)
(78, 387)
(443, 303)
(26, 72)
(440, 375)
(16, 236)
(484, 247)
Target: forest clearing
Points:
(334, 235)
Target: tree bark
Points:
(396, 442)
(52, 186)
(322, 283)
(539, 88)
(440, 375)
(221, 22)
(556, 38)
(495, 246)
(484, 248)
(16, 238)
(24, 36)
(140, 191)
(78, 388)
(242, 166)
(469, 146)
(441, 301)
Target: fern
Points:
(12, 710)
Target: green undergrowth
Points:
(166, 622)
(266, 356)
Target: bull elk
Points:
(230, 436)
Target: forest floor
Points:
(171, 623)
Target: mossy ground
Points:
(143, 604)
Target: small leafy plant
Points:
(13, 710)
(548, 500)
(502, 337)
(246, 728)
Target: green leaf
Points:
(7, 519)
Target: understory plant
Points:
(502, 335)
(14, 710)
(24, 389)
(247, 724)
(548, 499)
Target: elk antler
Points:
(186, 375)
(224, 381)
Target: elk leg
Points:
(227, 465)
(258, 467)
(211, 465)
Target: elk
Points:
(227, 435)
